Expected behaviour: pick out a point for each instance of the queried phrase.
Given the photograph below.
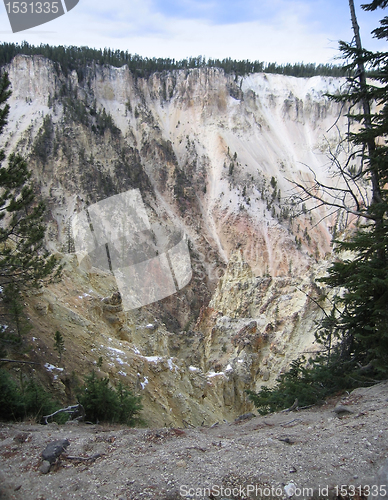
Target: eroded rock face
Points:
(257, 325)
(250, 332)
(133, 347)
(211, 154)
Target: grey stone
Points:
(54, 449)
(45, 467)
(72, 422)
(342, 410)
(246, 416)
(381, 481)
(22, 437)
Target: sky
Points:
(282, 31)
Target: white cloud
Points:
(287, 32)
(254, 40)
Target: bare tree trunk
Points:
(371, 145)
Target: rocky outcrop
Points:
(211, 154)
(249, 333)
(309, 453)
(257, 325)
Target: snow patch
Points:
(153, 359)
(172, 365)
(214, 374)
(115, 350)
(143, 384)
(49, 367)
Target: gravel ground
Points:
(300, 454)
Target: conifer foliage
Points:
(354, 334)
(362, 317)
(78, 59)
(103, 403)
(24, 263)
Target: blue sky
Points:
(267, 30)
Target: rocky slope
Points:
(211, 154)
(318, 453)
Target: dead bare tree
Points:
(355, 183)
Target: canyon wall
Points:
(213, 155)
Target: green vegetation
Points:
(44, 141)
(59, 344)
(24, 263)
(28, 401)
(353, 335)
(308, 384)
(79, 58)
(361, 312)
(102, 403)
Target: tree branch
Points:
(4, 360)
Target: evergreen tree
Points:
(81, 59)
(24, 263)
(354, 334)
(363, 307)
(103, 403)
(59, 344)
(359, 335)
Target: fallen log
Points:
(71, 410)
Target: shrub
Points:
(129, 405)
(32, 401)
(309, 384)
(37, 402)
(102, 403)
(11, 400)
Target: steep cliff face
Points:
(213, 155)
(212, 150)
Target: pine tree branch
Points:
(5, 360)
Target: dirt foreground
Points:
(299, 454)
